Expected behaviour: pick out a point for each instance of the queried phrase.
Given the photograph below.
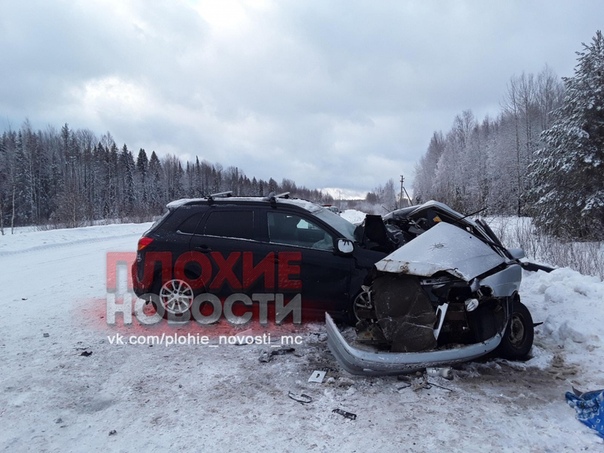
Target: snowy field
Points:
(65, 387)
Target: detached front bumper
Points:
(366, 362)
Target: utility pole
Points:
(401, 196)
(404, 190)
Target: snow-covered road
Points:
(56, 396)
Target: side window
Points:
(291, 229)
(232, 224)
(189, 225)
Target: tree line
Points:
(71, 178)
(542, 156)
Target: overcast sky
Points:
(331, 93)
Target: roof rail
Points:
(273, 198)
(228, 193)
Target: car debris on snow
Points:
(301, 398)
(317, 376)
(267, 356)
(345, 414)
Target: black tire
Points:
(517, 340)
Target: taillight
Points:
(144, 242)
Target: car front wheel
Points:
(362, 306)
(519, 333)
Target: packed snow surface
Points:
(66, 386)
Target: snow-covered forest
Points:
(72, 178)
(543, 156)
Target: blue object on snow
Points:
(589, 407)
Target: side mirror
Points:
(516, 253)
(344, 246)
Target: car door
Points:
(307, 263)
(234, 265)
(226, 237)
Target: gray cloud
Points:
(329, 94)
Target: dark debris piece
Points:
(267, 356)
(348, 415)
(301, 398)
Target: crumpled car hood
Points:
(444, 247)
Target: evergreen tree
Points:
(156, 197)
(568, 170)
(111, 178)
(197, 179)
(126, 166)
(272, 185)
(141, 184)
(24, 199)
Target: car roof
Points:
(225, 199)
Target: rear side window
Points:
(189, 225)
(233, 224)
(158, 221)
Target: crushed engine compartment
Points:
(449, 288)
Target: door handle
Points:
(202, 248)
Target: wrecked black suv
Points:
(272, 258)
(425, 285)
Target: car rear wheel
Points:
(519, 333)
(176, 297)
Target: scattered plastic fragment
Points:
(418, 382)
(348, 415)
(317, 376)
(301, 398)
(444, 372)
(265, 357)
